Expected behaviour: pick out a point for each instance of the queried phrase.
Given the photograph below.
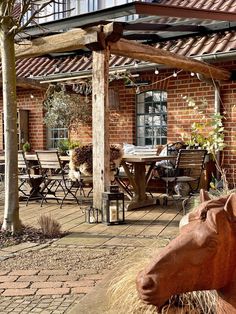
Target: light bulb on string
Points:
(175, 74)
(156, 71)
(192, 74)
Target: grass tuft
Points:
(49, 226)
(123, 296)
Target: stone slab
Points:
(83, 239)
(130, 241)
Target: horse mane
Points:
(214, 204)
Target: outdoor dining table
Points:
(143, 166)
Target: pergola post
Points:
(101, 150)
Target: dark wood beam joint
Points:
(111, 32)
(100, 44)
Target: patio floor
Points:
(147, 222)
(59, 295)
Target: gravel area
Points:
(76, 258)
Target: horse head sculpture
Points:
(201, 257)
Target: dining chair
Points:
(186, 174)
(57, 184)
(27, 178)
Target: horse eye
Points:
(212, 244)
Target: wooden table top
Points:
(146, 158)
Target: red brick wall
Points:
(32, 100)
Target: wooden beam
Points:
(101, 148)
(70, 41)
(183, 12)
(134, 50)
(75, 39)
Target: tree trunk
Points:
(11, 209)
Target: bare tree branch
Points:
(34, 15)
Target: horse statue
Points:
(201, 257)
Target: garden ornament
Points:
(201, 257)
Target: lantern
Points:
(91, 215)
(113, 208)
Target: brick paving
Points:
(59, 291)
(44, 291)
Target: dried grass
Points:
(49, 226)
(123, 296)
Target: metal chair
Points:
(28, 179)
(57, 184)
(186, 172)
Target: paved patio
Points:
(58, 291)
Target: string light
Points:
(56, 69)
(192, 74)
(175, 74)
(156, 71)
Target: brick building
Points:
(129, 122)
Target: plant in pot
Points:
(26, 147)
(63, 147)
(67, 145)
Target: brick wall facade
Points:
(122, 119)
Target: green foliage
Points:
(26, 147)
(66, 109)
(66, 144)
(208, 132)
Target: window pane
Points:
(140, 120)
(141, 132)
(55, 135)
(156, 120)
(140, 108)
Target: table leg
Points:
(140, 178)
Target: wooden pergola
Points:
(108, 38)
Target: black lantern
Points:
(91, 215)
(113, 208)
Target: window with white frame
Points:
(151, 111)
(55, 135)
(61, 9)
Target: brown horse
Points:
(202, 257)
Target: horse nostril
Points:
(147, 283)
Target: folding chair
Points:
(57, 184)
(27, 179)
(187, 171)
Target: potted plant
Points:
(26, 147)
(67, 145)
(63, 147)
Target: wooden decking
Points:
(147, 222)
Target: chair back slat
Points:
(191, 161)
(22, 163)
(48, 159)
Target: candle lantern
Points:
(91, 215)
(113, 208)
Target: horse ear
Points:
(230, 207)
(204, 196)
